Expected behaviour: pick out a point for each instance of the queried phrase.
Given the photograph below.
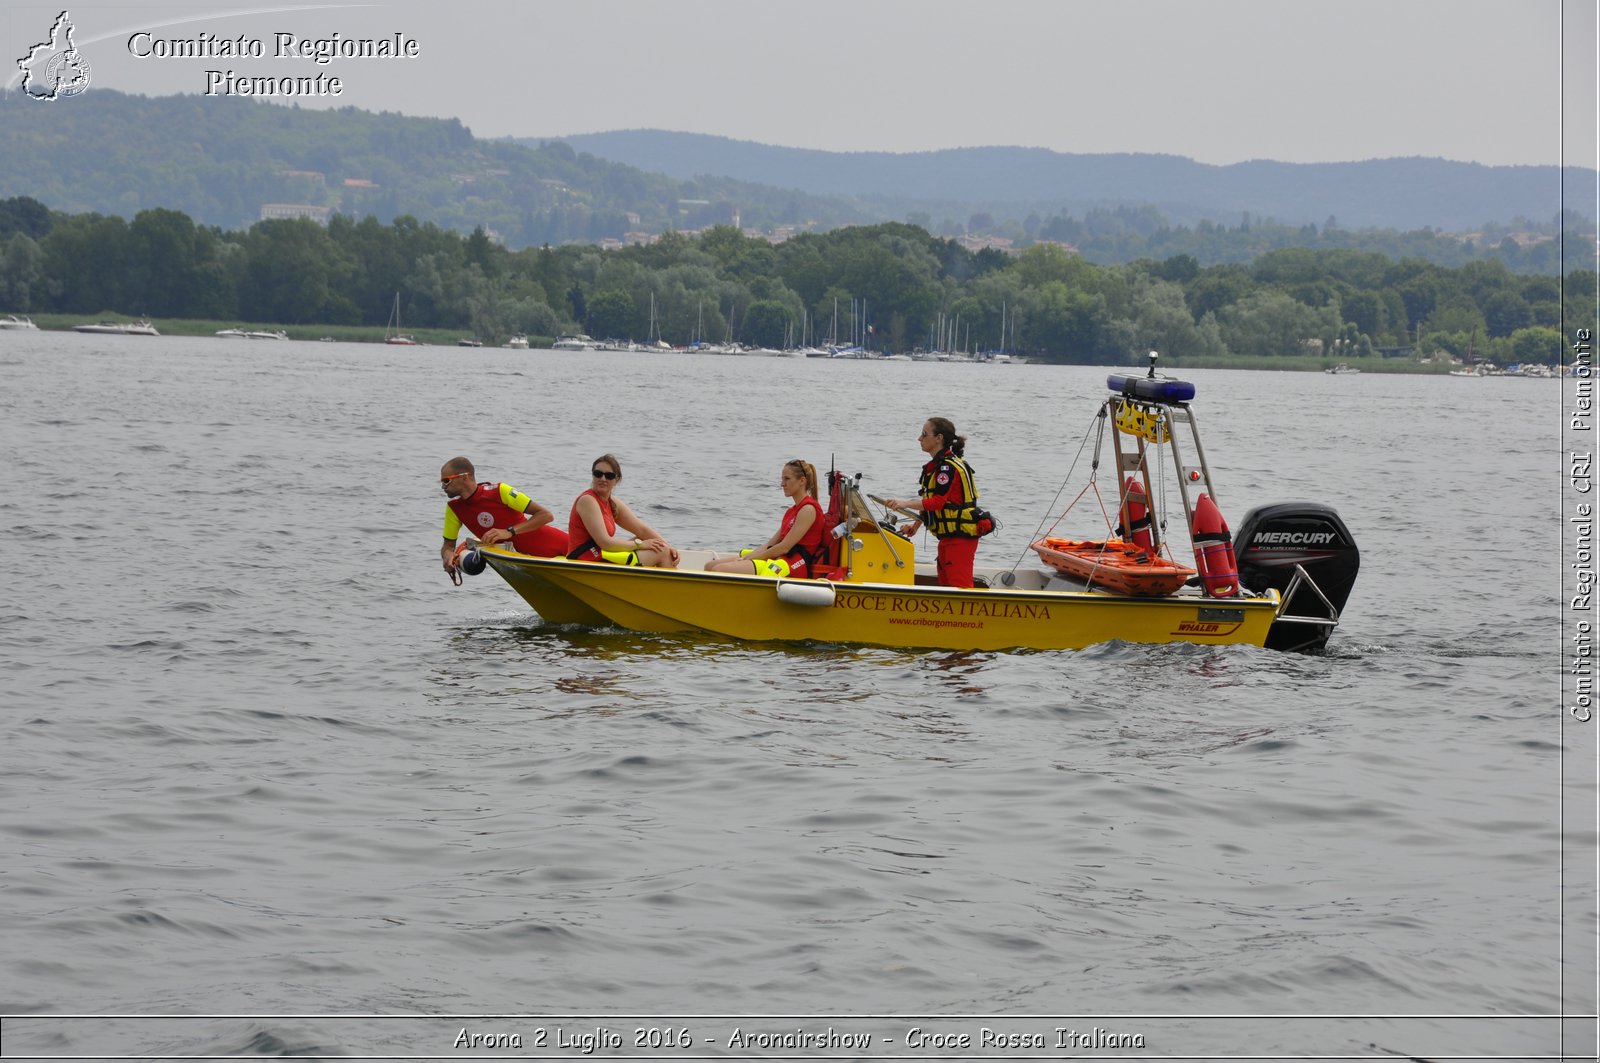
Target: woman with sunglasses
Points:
(948, 502)
(796, 548)
(596, 516)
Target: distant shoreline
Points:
(449, 337)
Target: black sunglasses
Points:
(600, 475)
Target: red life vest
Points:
(581, 546)
(808, 552)
(946, 477)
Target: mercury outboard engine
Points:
(1304, 551)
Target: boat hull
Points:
(905, 615)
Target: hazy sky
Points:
(1215, 80)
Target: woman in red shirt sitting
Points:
(598, 513)
(796, 548)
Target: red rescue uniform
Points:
(501, 506)
(949, 508)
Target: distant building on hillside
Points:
(284, 211)
(1071, 249)
(983, 243)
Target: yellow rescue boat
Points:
(1295, 564)
(1026, 608)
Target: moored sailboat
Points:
(391, 333)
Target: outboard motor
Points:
(1304, 551)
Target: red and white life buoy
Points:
(1135, 509)
(1213, 550)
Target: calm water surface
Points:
(261, 759)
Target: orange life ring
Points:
(1213, 550)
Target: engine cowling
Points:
(1276, 541)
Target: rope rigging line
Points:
(1093, 473)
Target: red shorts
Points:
(546, 541)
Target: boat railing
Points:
(862, 515)
(1302, 578)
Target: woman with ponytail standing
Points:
(948, 502)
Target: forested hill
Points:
(223, 161)
(1404, 194)
(220, 160)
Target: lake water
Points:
(262, 764)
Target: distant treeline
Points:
(893, 285)
(1123, 234)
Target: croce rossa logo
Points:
(55, 68)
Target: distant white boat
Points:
(518, 342)
(391, 333)
(263, 335)
(469, 341)
(1341, 369)
(232, 333)
(119, 328)
(15, 323)
(579, 342)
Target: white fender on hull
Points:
(806, 592)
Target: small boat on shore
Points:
(1280, 583)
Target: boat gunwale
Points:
(1270, 600)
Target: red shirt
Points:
(488, 506)
(578, 534)
(809, 548)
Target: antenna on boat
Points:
(1153, 356)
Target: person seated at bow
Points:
(797, 547)
(498, 514)
(598, 513)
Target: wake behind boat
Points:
(1280, 583)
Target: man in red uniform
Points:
(495, 513)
